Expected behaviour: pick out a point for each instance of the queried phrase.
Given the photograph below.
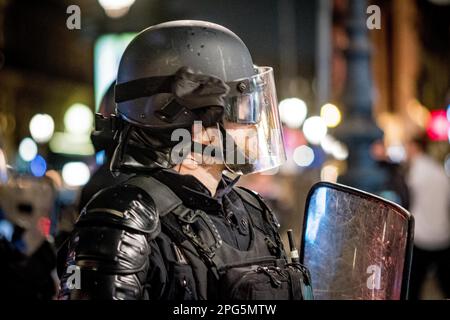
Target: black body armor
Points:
(137, 240)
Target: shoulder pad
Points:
(123, 205)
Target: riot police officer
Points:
(193, 114)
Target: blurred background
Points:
(358, 84)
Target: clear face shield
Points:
(253, 139)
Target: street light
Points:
(116, 8)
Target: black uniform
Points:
(143, 250)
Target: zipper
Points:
(257, 261)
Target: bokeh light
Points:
(327, 143)
(396, 153)
(38, 166)
(28, 149)
(76, 174)
(78, 119)
(100, 157)
(314, 129)
(116, 8)
(331, 115)
(329, 173)
(303, 156)
(293, 112)
(340, 151)
(438, 126)
(42, 127)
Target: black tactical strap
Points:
(171, 227)
(270, 225)
(164, 198)
(255, 200)
(144, 87)
(167, 201)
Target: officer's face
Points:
(208, 137)
(245, 136)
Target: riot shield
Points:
(356, 245)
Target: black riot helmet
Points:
(145, 81)
(178, 72)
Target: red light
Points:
(44, 226)
(438, 126)
(293, 138)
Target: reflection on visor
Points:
(245, 105)
(243, 109)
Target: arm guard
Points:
(108, 252)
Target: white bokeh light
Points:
(327, 143)
(396, 153)
(42, 127)
(78, 119)
(76, 174)
(314, 129)
(303, 156)
(28, 149)
(331, 115)
(340, 151)
(293, 112)
(116, 8)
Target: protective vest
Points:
(220, 270)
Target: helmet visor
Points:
(254, 140)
